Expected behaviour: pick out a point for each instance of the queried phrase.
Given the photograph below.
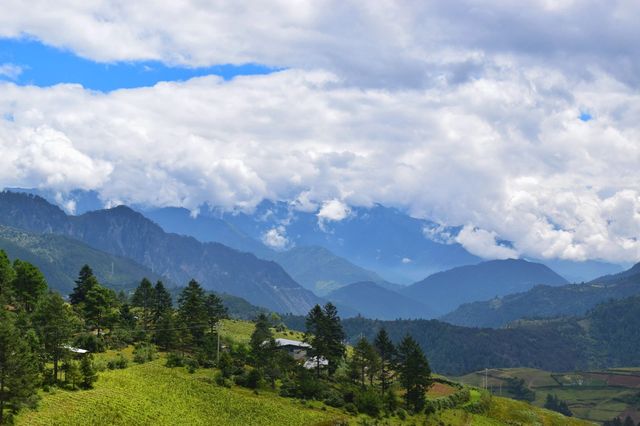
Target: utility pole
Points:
(486, 378)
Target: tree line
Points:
(43, 334)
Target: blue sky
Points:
(43, 66)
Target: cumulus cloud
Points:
(484, 244)
(461, 112)
(382, 43)
(276, 238)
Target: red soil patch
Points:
(440, 389)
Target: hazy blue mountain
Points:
(374, 301)
(60, 259)
(576, 272)
(546, 301)
(445, 291)
(124, 232)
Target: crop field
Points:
(593, 395)
(154, 394)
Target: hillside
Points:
(546, 301)
(445, 291)
(60, 258)
(373, 301)
(605, 337)
(124, 232)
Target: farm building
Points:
(298, 350)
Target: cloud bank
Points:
(466, 113)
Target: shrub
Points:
(174, 359)
(369, 402)
(191, 364)
(333, 398)
(144, 352)
(221, 380)
(351, 408)
(118, 363)
(250, 378)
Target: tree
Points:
(264, 349)
(364, 361)
(72, 374)
(144, 298)
(192, 312)
(7, 275)
(98, 307)
(162, 301)
(415, 373)
(554, 403)
(165, 333)
(29, 285)
(55, 323)
(519, 390)
(387, 353)
(215, 311)
(85, 282)
(18, 367)
(88, 372)
(325, 334)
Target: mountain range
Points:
(445, 291)
(545, 301)
(123, 232)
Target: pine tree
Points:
(144, 298)
(55, 324)
(215, 311)
(387, 353)
(98, 307)
(314, 334)
(334, 337)
(162, 301)
(18, 366)
(85, 282)
(415, 373)
(28, 285)
(261, 341)
(7, 275)
(192, 312)
(88, 372)
(72, 374)
(363, 361)
(165, 335)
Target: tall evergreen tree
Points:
(314, 334)
(85, 282)
(215, 311)
(7, 275)
(144, 298)
(88, 371)
(98, 307)
(55, 323)
(387, 353)
(415, 373)
(192, 312)
(29, 285)
(261, 341)
(334, 337)
(162, 301)
(364, 361)
(18, 367)
(165, 334)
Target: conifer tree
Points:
(364, 361)
(192, 312)
(334, 337)
(162, 301)
(98, 307)
(144, 298)
(18, 366)
(215, 311)
(85, 282)
(28, 285)
(55, 323)
(415, 373)
(387, 353)
(314, 334)
(165, 335)
(7, 275)
(88, 372)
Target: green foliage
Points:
(368, 401)
(324, 333)
(517, 388)
(162, 302)
(7, 275)
(85, 282)
(18, 367)
(414, 372)
(29, 285)
(88, 372)
(144, 352)
(120, 362)
(98, 307)
(192, 312)
(553, 403)
(90, 342)
(144, 298)
(174, 359)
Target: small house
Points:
(298, 350)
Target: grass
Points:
(240, 331)
(154, 394)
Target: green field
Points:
(595, 395)
(152, 394)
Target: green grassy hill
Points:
(151, 393)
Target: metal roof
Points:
(288, 342)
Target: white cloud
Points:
(276, 238)
(484, 244)
(462, 112)
(406, 260)
(10, 71)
